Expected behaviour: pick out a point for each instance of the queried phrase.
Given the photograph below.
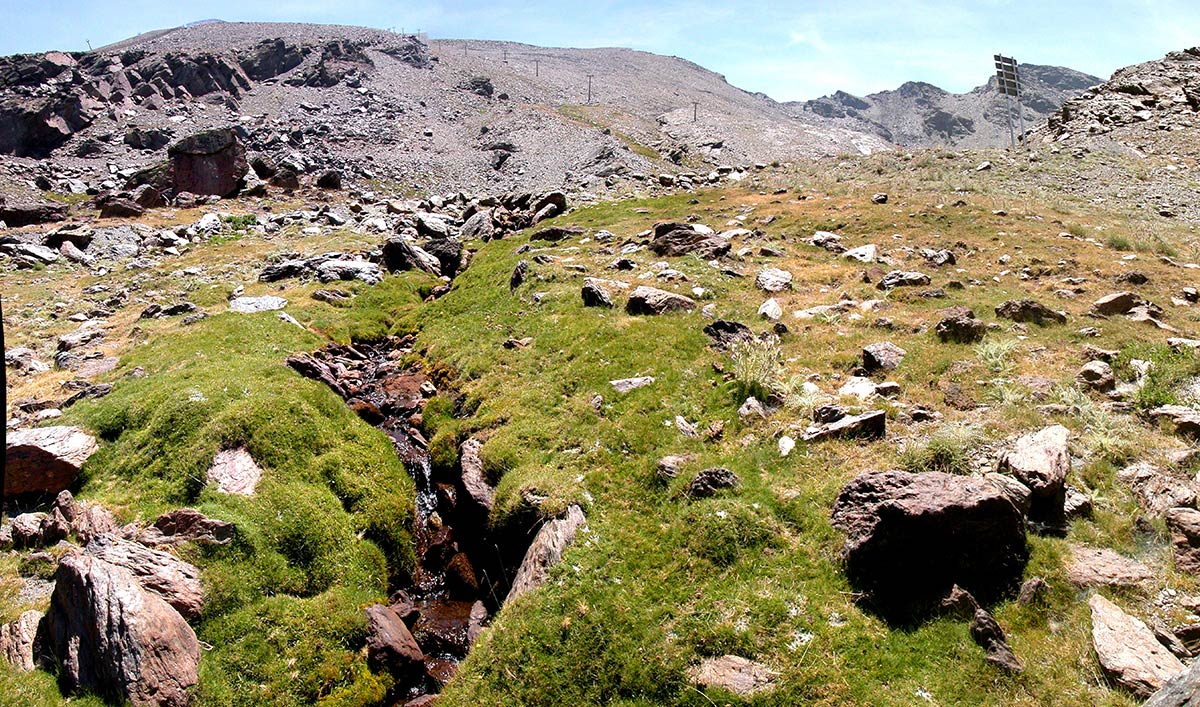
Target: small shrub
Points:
(1105, 435)
(948, 450)
(242, 222)
(719, 531)
(1170, 373)
(996, 354)
(1117, 242)
(757, 364)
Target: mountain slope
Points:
(1149, 108)
(920, 114)
(431, 116)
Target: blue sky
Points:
(791, 51)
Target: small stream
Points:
(463, 573)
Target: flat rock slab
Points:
(1128, 650)
(739, 675)
(1183, 690)
(235, 471)
(171, 578)
(1101, 567)
(250, 305)
(45, 459)
(624, 385)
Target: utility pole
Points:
(589, 97)
(535, 67)
(89, 43)
(505, 55)
(695, 110)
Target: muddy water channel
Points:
(463, 573)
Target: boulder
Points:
(959, 325)
(773, 280)
(676, 239)
(594, 294)
(17, 640)
(479, 226)
(1102, 567)
(709, 481)
(739, 675)
(901, 278)
(862, 254)
(210, 162)
(1157, 490)
(1128, 651)
(235, 471)
(187, 525)
(391, 648)
(26, 530)
(988, 635)
(1027, 310)
(330, 179)
(252, 305)
(171, 578)
(1096, 375)
(650, 300)
(725, 333)
(110, 636)
(868, 425)
(1041, 461)
(1184, 525)
(448, 252)
(911, 537)
(44, 459)
(1184, 421)
(1183, 690)
(401, 254)
(770, 310)
(883, 356)
(474, 480)
(546, 551)
(93, 521)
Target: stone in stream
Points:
(546, 551)
(391, 647)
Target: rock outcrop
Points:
(110, 636)
(545, 551)
(45, 459)
(911, 537)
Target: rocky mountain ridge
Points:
(425, 116)
(1148, 108)
(919, 114)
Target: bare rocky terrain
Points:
(923, 115)
(344, 368)
(393, 109)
